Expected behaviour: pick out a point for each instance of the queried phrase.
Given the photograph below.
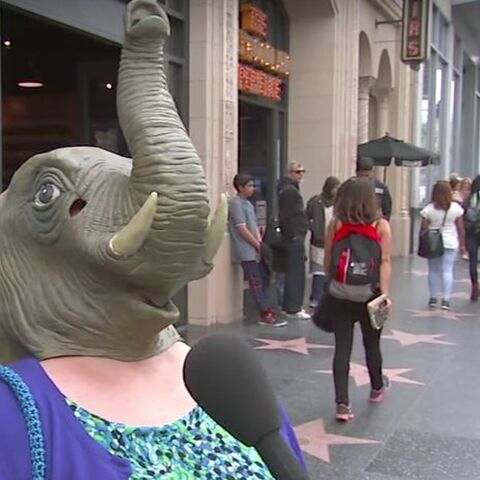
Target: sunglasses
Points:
(299, 171)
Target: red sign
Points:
(257, 53)
(415, 38)
(257, 82)
(254, 20)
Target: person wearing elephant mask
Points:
(92, 248)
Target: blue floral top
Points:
(193, 447)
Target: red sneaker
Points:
(269, 318)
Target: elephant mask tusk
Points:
(215, 234)
(130, 239)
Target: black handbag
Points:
(430, 242)
(273, 235)
(322, 316)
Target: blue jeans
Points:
(318, 282)
(440, 272)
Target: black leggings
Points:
(345, 314)
(473, 244)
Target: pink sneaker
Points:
(344, 412)
(378, 396)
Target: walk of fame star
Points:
(297, 345)
(315, 441)
(461, 295)
(438, 313)
(406, 339)
(417, 273)
(360, 375)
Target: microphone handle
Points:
(279, 458)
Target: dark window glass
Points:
(175, 84)
(176, 43)
(177, 5)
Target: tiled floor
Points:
(429, 426)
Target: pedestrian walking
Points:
(319, 214)
(357, 247)
(247, 246)
(472, 228)
(364, 168)
(445, 215)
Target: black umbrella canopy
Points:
(382, 150)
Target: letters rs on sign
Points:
(415, 38)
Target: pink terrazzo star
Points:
(297, 345)
(438, 313)
(360, 375)
(417, 273)
(315, 441)
(461, 295)
(406, 339)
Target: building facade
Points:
(259, 84)
(448, 95)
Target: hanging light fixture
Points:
(31, 79)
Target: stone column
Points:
(364, 84)
(397, 179)
(217, 298)
(383, 102)
(382, 97)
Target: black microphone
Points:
(223, 375)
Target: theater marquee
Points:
(263, 68)
(415, 37)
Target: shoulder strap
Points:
(32, 418)
(445, 216)
(348, 229)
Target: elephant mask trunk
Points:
(164, 159)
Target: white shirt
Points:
(328, 216)
(449, 230)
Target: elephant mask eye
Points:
(46, 194)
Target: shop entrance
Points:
(262, 152)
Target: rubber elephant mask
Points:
(93, 245)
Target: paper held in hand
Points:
(377, 311)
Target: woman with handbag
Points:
(441, 235)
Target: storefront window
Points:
(435, 112)
(439, 106)
(263, 111)
(65, 107)
(425, 106)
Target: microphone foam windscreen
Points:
(223, 375)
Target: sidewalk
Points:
(428, 428)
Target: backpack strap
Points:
(32, 418)
(347, 229)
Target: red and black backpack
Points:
(355, 265)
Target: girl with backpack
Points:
(357, 262)
(472, 227)
(443, 214)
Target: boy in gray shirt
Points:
(246, 245)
